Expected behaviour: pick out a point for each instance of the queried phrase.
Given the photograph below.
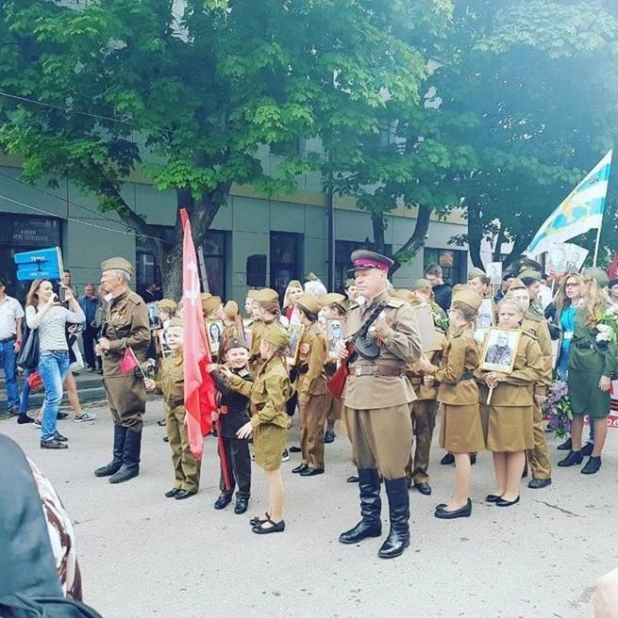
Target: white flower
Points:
(604, 328)
(605, 332)
(613, 310)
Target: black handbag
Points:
(29, 354)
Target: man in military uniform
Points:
(126, 326)
(377, 400)
(500, 353)
(480, 282)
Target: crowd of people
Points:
(383, 371)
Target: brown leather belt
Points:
(379, 370)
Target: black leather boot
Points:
(399, 508)
(371, 505)
(113, 466)
(130, 460)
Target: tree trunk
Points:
(475, 234)
(379, 225)
(500, 239)
(417, 241)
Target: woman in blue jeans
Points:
(45, 313)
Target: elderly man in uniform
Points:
(126, 326)
(377, 400)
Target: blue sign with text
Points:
(39, 264)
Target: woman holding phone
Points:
(46, 314)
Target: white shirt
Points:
(545, 296)
(10, 312)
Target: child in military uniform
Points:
(510, 422)
(233, 415)
(269, 424)
(461, 432)
(170, 383)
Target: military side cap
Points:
(235, 342)
(117, 263)
(476, 272)
(251, 294)
(210, 304)
(167, 305)
(295, 283)
(266, 295)
(310, 303)
(231, 309)
(311, 277)
(598, 274)
(421, 284)
(364, 260)
(176, 323)
(332, 298)
(530, 275)
(517, 284)
(349, 283)
(276, 335)
(469, 297)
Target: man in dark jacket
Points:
(234, 413)
(442, 292)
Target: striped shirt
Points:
(52, 330)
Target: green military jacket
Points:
(588, 355)
(171, 381)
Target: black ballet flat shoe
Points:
(593, 465)
(241, 506)
(447, 460)
(472, 458)
(574, 458)
(587, 449)
(464, 511)
(423, 488)
(166, 439)
(352, 479)
(183, 494)
(222, 501)
(172, 492)
(161, 423)
(300, 469)
(539, 483)
(256, 521)
(492, 498)
(276, 527)
(295, 449)
(567, 445)
(502, 502)
(312, 471)
(329, 437)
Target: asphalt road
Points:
(143, 555)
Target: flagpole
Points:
(596, 246)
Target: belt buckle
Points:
(358, 371)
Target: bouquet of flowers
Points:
(607, 325)
(558, 409)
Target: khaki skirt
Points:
(510, 429)
(461, 430)
(268, 446)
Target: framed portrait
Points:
(295, 331)
(486, 316)
(500, 350)
(426, 328)
(214, 332)
(153, 316)
(335, 332)
(494, 272)
(161, 344)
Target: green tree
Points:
(190, 98)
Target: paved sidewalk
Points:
(143, 555)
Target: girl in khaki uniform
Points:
(311, 387)
(268, 393)
(510, 423)
(461, 432)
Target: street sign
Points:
(39, 264)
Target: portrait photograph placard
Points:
(335, 331)
(154, 320)
(161, 343)
(214, 332)
(426, 328)
(500, 350)
(295, 332)
(486, 317)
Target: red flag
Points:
(612, 269)
(199, 385)
(128, 363)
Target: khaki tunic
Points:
(268, 393)
(377, 407)
(461, 430)
(171, 385)
(510, 422)
(126, 326)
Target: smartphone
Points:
(61, 295)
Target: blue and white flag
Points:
(581, 211)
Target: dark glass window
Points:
(452, 261)
(343, 263)
(286, 259)
(19, 233)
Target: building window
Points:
(213, 252)
(286, 259)
(453, 263)
(343, 263)
(20, 233)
